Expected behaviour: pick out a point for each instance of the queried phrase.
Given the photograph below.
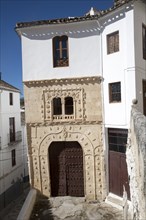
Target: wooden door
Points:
(66, 169)
(118, 175)
(144, 97)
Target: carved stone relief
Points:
(78, 96)
(91, 152)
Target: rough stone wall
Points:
(85, 127)
(136, 160)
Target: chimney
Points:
(92, 12)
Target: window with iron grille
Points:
(60, 51)
(11, 98)
(113, 42)
(13, 154)
(144, 40)
(115, 92)
(117, 139)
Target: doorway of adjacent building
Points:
(118, 175)
(144, 97)
(66, 169)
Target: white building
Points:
(109, 44)
(123, 40)
(12, 148)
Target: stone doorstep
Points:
(115, 201)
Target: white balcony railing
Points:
(63, 117)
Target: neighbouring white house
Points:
(13, 145)
(81, 76)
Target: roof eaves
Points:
(6, 86)
(71, 19)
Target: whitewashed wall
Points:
(9, 175)
(8, 111)
(84, 51)
(118, 67)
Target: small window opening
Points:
(57, 106)
(13, 153)
(68, 105)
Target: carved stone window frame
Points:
(78, 104)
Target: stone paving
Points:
(70, 208)
(75, 208)
(64, 208)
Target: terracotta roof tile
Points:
(117, 4)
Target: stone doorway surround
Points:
(88, 136)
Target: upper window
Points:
(115, 92)
(144, 40)
(13, 154)
(68, 105)
(60, 51)
(12, 129)
(113, 42)
(11, 98)
(57, 106)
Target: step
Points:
(115, 201)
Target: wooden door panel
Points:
(114, 178)
(66, 169)
(118, 175)
(124, 175)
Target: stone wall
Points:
(84, 127)
(136, 160)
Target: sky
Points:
(14, 11)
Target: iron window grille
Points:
(60, 51)
(117, 139)
(113, 42)
(115, 92)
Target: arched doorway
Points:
(66, 169)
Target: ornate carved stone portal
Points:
(84, 127)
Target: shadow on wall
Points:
(11, 194)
